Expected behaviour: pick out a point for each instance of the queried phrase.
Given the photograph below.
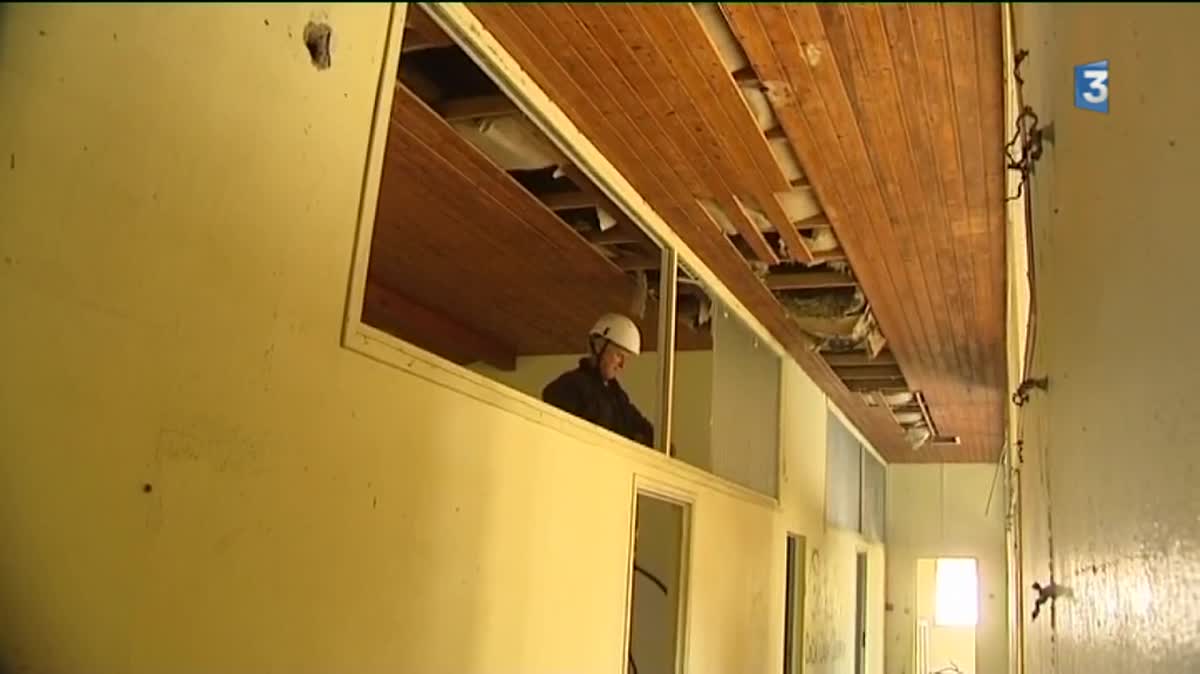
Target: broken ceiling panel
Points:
(673, 95)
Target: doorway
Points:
(657, 607)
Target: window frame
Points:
(938, 616)
(483, 48)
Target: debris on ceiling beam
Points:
(809, 280)
(512, 142)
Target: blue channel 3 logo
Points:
(1091, 86)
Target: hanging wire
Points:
(653, 578)
(1029, 135)
(662, 586)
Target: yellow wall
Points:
(830, 571)
(197, 477)
(1112, 451)
(940, 510)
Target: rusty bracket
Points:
(1021, 395)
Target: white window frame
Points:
(463, 27)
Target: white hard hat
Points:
(619, 330)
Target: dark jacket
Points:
(584, 393)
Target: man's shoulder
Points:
(570, 378)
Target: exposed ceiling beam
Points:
(868, 372)
(886, 384)
(835, 255)
(625, 231)
(859, 358)
(812, 222)
(810, 279)
(433, 330)
(567, 201)
(476, 107)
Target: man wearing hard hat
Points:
(591, 391)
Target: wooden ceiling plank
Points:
(903, 40)
(598, 41)
(932, 49)
(859, 32)
(809, 280)
(986, 260)
(804, 119)
(573, 76)
(869, 97)
(497, 184)
(743, 134)
(834, 95)
(536, 232)
(575, 100)
(774, 49)
(447, 238)
(990, 77)
(688, 50)
(960, 40)
(830, 77)
(638, 59)
(421, 321)
(621, 70)
(801, 112)
(613, 307)
(942, 387)
(988, 27)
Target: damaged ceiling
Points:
(840, 176)
(800, 148)
(525, 253)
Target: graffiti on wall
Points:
(823, 642)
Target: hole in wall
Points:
(316, 40)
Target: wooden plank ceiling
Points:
(473, 264)
(892, 114)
